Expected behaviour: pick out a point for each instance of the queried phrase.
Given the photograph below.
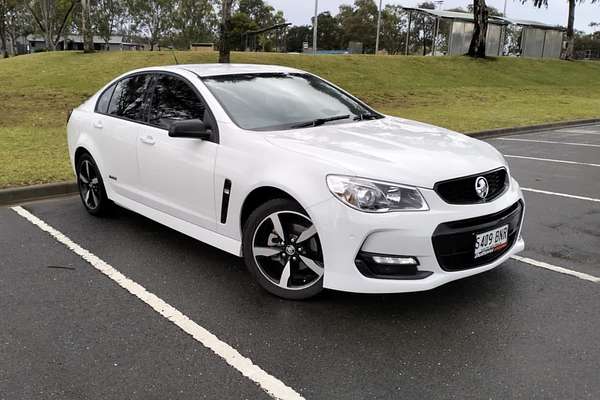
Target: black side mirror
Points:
(192, 128)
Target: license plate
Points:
(491, 241)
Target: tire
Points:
(291, 268)
(91, 187)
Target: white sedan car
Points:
(312, 187)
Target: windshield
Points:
(276, 101)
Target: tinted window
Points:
(128, 98)
(174, 100)
(102, 105)
(273, 101)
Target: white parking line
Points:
(576, 131)
(555, 268)
(552, 160)
(548, 141)
(571, 196)
(273, 386)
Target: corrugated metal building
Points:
(536, 39)
(460, 30)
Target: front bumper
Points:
(344, 232)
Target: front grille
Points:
(462, 190)
(454, 242)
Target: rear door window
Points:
(174, 100)
(128, 98)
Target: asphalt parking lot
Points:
(521, 331)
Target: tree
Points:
(106, 16)
(194, 21)
(3, 31)
(252, 15)
(480, 17)
(393, 29)
(588, 42)
(15, 21)
(258, 11)
(153, 18)
(359, 23)
(51, 17)
(329, 34)
(569, 51)
(296, 36)
(492, 11)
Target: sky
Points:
(299, 12)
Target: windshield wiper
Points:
(320, 121)
(366, 116)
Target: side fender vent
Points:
(225, 200)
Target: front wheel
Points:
(282, 249)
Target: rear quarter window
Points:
(104, 100)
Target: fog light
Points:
(395, 260)
(385, 266)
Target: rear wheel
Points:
(91, 186)
(282, 249)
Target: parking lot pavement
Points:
(559, 230)
(581, 154)
(67, 332)
(518, 331)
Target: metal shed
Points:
(538, 40)
(460, 31)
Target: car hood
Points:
(393, 149)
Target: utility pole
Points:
(378, 28)
(504, 12)
(315, 24)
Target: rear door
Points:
(177, 174)
(118, 120)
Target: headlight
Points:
(374, 196)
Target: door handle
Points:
(148, 140)
(98, 124)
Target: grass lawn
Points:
(37, 90)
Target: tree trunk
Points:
(48, 29)
(3, 11)
(480, 13)
(3, 40)
(60, 30)
(224, 27)
(13, 41)
(570, 32)
(86, 27)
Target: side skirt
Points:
(204, 235)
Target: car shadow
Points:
(230, 276)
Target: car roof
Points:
(204, 70)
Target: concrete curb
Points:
(36, 192)
(531, 128)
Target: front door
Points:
(177, 174)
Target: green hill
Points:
(37, 90)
